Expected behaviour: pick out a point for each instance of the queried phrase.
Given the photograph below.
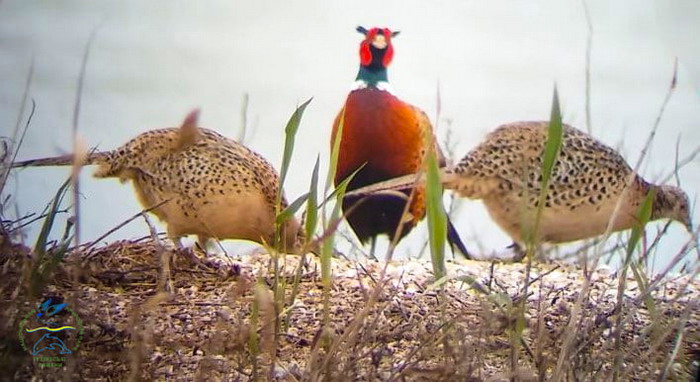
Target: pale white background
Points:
(495, 61)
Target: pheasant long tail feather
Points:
(61, 160)
(396, 185)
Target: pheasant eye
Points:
(379, 41)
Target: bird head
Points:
(672, 203)
(376, 50)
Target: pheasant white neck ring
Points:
(380, 85)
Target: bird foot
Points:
(222, 265)
(512, 253)
(205, 264)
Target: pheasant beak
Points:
(379, 41)
(688, 224)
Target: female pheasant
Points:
(384, 137)
(588, 180)
(201, 183)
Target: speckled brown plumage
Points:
(215, 186)
(587, 181)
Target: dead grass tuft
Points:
(411, 331)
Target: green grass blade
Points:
(643, 217)
(334, 194)
(43, 271)
(48, 259)
(553, 145)
(344, 185)
(437, 220)
(335, 150)
(327, 246)
(253, 337)
(643, 284)
(291, 209)
(312, 203)
(327, 242)
(549, 159)
(244, 118)
(290, 132)
(467, 279)
(278, 284)
(42, 239)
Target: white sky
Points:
(496, 62)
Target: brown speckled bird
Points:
(214, 186)
(587, 181)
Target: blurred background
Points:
(493, 62)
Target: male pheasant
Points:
(588, 180)
(384, 137)
(203, 183)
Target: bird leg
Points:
(165, 282)
(512, 253)
(373, 246)
(190, 253)
(518, 252)
(202, 242)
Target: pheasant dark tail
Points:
(455, 240)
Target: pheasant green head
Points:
(376, 53)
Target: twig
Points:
(676, 159)
(589, 48)
(657, 121)
(244, 118)
(25, 96)
(24, 132)
(432, 338)
(165, 283)
(119, 226)
(644, 151)
(680, 164)
(33, 217)
(79, 152)
(540, 277)
(15, 150)
(617, 336)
